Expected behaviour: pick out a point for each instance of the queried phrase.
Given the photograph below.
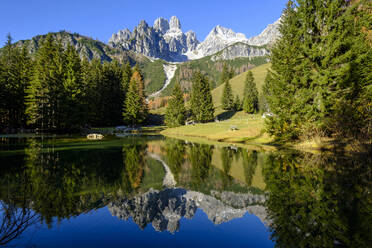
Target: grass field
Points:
(250, 129)
(237, 85)
(210, 68)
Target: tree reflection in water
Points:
(14, 221)
(320, 200)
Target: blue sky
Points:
(99, 19)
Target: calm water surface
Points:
(151, 191)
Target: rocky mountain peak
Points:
(143, 24)
(164, 40)
(192, 41)
(225, 33)
(164, 209)
(174, 23)
(268, 36)
(161, 25)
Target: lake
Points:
(152, 191)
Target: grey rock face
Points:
(268, 36)
(232, 44)
(218, 39)
(240, 50)
(174, 23)
(161, 25)
(164, 40)
(191, 40)
(164, 209)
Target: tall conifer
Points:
(250, 101)
(227, 97)
(176, 113)
(201, 98)
(15, 73)
(135, 109)
(45, 91)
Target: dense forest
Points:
(320, 81)
(57, 90)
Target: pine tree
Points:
(140, 82)
(250, 101)
(176, 112)
(45, 92)
(201, 98)
(316, 78)
(73, 109)
(127, 75)
(237, 103)
(15, 73)
(135, 109)
(92, 83)
(111, 94)
(226, 74)
(227, 97)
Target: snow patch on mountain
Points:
(165, 40)
(268, 36)
(169, 70)
(221, 38)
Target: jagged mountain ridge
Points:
(164, 209)
(87, 47)
(166, 40)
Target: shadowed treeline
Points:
(321, 200)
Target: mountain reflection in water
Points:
(165, 208)
(305, 200)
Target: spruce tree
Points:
(127, 75)
(175, 113)
(3, 110)
(135, 111)
(227, 97)
(74, 111)
(316, 78)
(237, 103)
(140, 82)
(250, 101)
(92, 83)
(111, 94)
(201, 98)
(45, 92)
(15, 74)
(225, 75)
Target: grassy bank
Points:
(249, 129)
(251, 132)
